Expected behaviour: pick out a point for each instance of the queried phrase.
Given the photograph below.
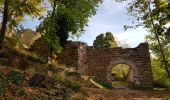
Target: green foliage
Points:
(3, 82)
(146, 12)
(160, 77)
(11, 41)
(37, 80)
(155, 51)
(70, 83)
(105, 41)
(154, 15)
(66, 17)
(73, 85)
(2, 88)
(16, 77)
(24, 37)
(36, 58)
(20, 91)
(18, 9)
(2, 77)
(120, 72)
(14, 11)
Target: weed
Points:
(16, 77)
(20, 91)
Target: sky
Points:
(110, 17)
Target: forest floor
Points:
(122, 94)
(22, 78)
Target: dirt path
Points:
(121, 94)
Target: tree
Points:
(14, 11)
(66, 17)
(154, 16)
(4, 22)
(105, 41)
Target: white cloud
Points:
(132, 37)
(110, 7)
(112, 16)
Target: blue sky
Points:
(110, 17)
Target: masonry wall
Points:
(99, 63)
(40, 47)
(69, 56)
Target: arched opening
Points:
(120, 72)
(121, 75)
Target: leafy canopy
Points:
(66, 17)
(18, 9)
(105, 41)
(154, 15)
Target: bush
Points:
(20, 91)
(37, 80)
(2, 88)
(3, 82)
(16, 77)
(72, 84)
(160, 84)
(36, 59)
(2, 77)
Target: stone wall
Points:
(70, 54)
(40, 47)
(99, 63)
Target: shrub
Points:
(160, 84)
(37, 80)
(16, 77)
(11, 42)
(2, 77)
(71, 83)
(3, 82)
(67, 93)
(20, 91)
(36, 59)
(2, 87)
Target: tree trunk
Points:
(51, 47)
(163, 56)
(4, 23)
(160, 46)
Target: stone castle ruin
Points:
(99, 62)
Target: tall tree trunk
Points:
(163, 56)
(4, 23)
(51, 47)
(160, 46)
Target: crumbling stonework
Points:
(99, 63)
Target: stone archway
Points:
(98, 62)
(133, 69)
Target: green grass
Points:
(120, 84)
